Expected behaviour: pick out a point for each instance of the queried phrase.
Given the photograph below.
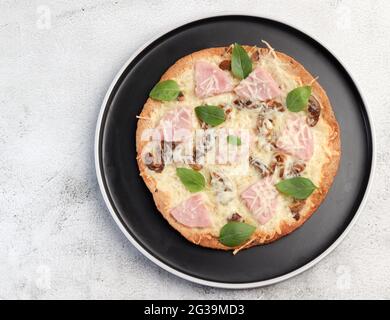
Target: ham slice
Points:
(176, 125)
(210, 80)
(261, 199)
(296, 138)
(192, 213)
(259, 85)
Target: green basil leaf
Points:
(241, 63)
(298, 187)
(165, 91)
(298, 98)
(234, 140)
(192, 180)
(235, 233)
(211, 115)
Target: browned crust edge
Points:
(329, 169)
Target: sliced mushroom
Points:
(196, 166)
(154, 161)
(151, 164)
(247, 104)
(296, 208)
(263, 169)
(280, 158)
(197, 158)
(314, 111)
(297, 168)
(235, 217)
(225, 65)
(265, 125)
(275, 105)
(180, 97)
(278, 161)
(281, 172)
(222, 186)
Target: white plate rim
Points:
(183, 275)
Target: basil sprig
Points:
(192, 180)
(211, 115)
(235, 233)
(298, 187)
(298, 98)
(167, 90)
(241, 63)
(234, 140)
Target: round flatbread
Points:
(269, 142)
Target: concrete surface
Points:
(57, 59)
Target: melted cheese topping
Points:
(168, 182)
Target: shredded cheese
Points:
(168, 182)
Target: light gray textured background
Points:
(57, 59)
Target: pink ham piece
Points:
(192, 213)
(259, 85)
(210, 80)
(176, 125)
(261, 199)
(296, 138)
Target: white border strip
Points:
(191, 278)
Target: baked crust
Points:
(203, 237)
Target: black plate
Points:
(132, 205)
